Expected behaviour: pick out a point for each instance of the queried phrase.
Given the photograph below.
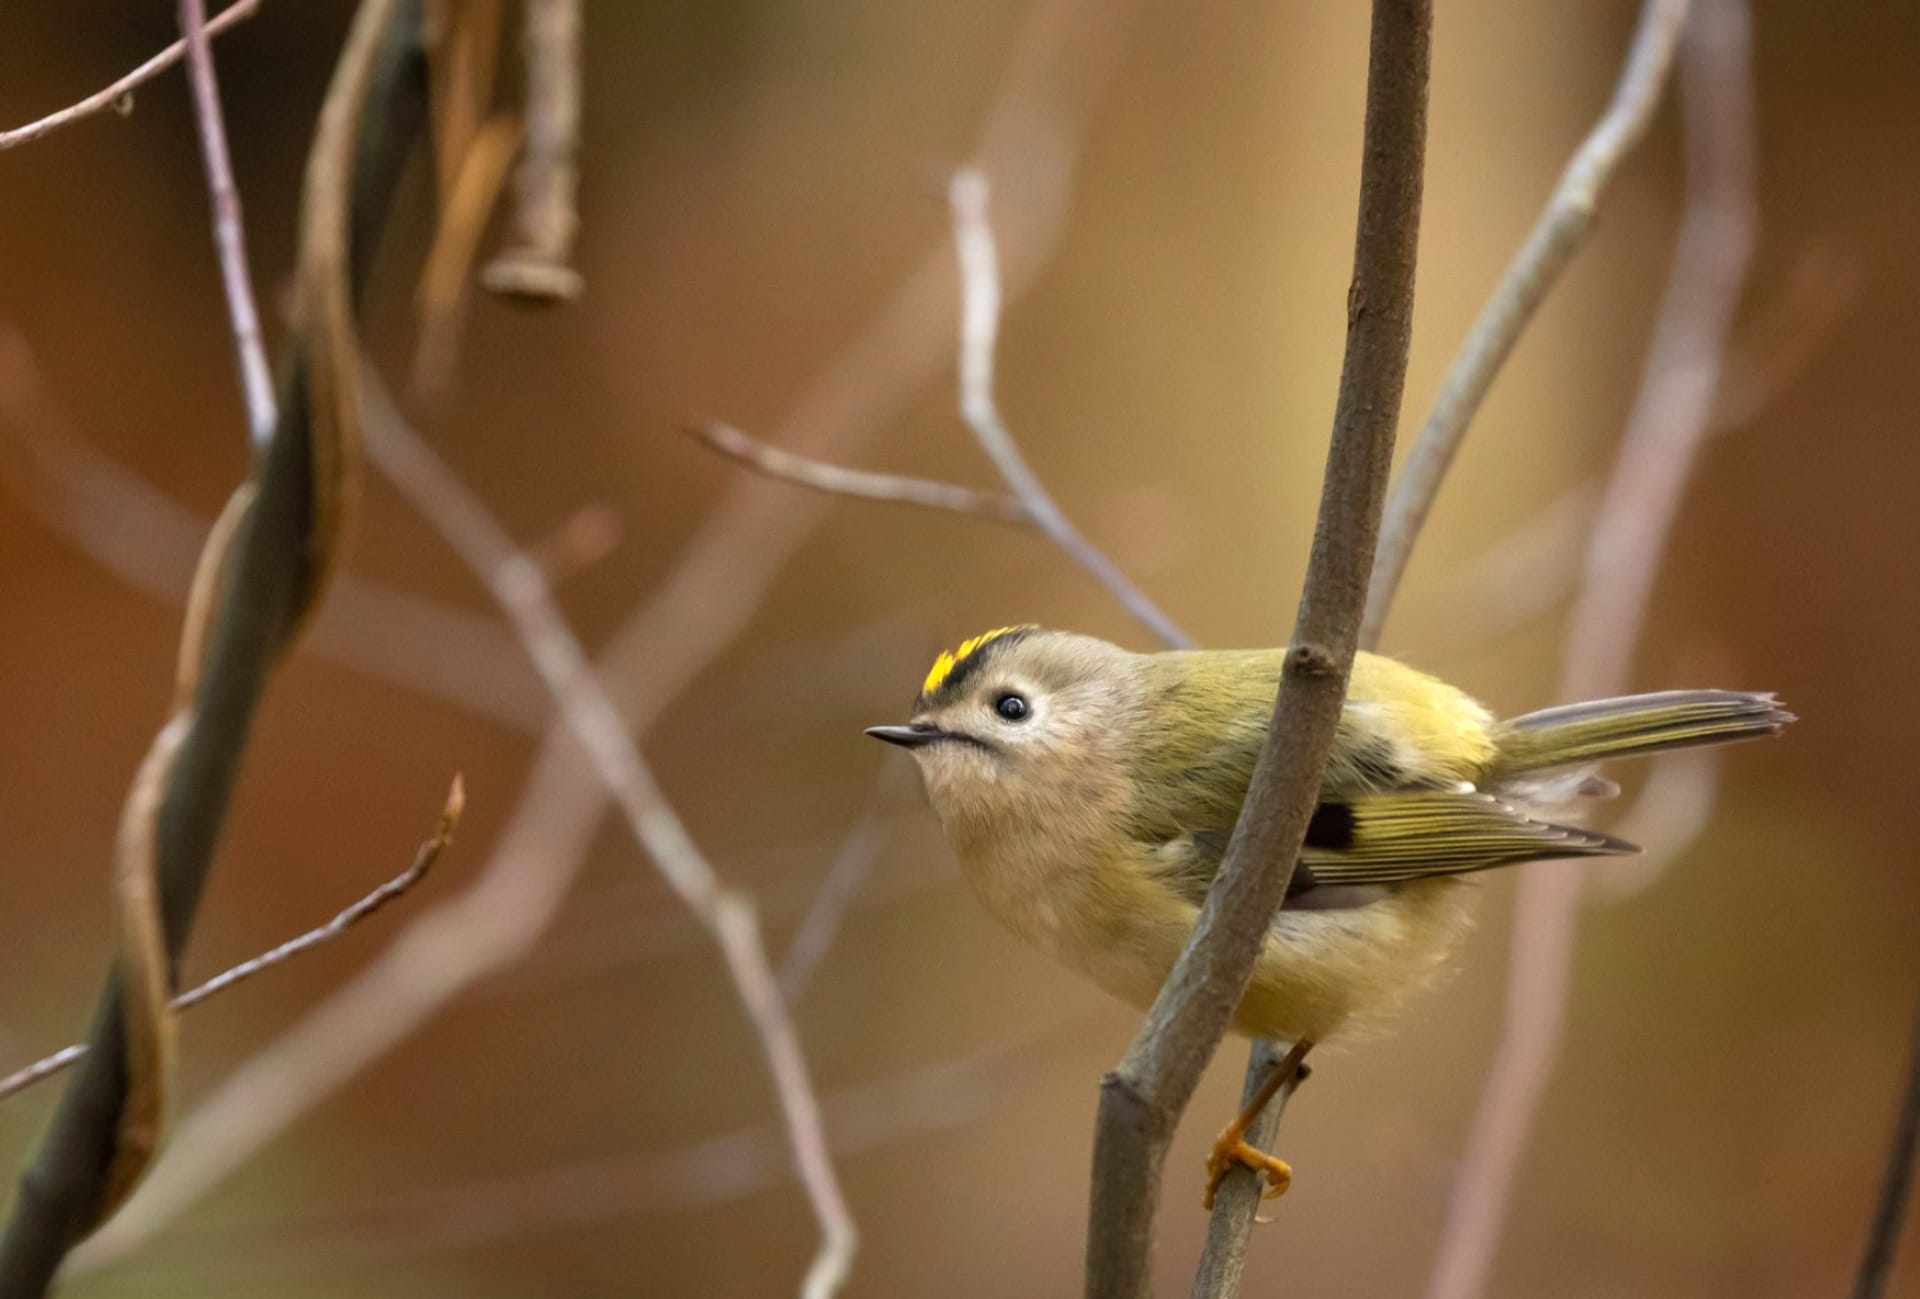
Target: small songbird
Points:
(1089, 793)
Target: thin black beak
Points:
(907, 737)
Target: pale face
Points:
(1023, 737)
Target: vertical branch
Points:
(1671, 419)
(229, 232)
(1141, 1101)
(1536, 267)
(538, 262)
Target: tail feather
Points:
(1576, 734)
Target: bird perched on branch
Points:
(1089, 793)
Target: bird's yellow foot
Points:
(1231, 1148)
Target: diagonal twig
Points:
(523, 595)
(1549, 248)
(1671, 419)
(120, 92)
(394, 889)
(838, 480)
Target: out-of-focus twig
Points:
(838, 480)
(886, 1113)
(444, 278)
(1142, 1099)
(858, 855)
(523, 595)
(229, 228)
(119, 95)
(1671, 418)
(1896, 1184)
(151, 542)
(1548, 249)
(1061, 61)
(393, 889)
(979, 256)
(538, 261)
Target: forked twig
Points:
(979, 255)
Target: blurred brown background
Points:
(755, 185)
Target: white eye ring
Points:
(1012, 706)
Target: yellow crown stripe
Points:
(950, 659)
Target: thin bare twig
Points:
(395, 888)
(1672, 417)
(1896, 1184)
(1549, 248)
(1141, 1101)
(838, 480)
(538, 262)
(1063, 58)
(979, 335)
(522, 592)
(119, 95)
(229, 229)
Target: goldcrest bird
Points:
(1089, 793)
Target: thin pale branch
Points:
(1896, 1184)
(392, 890)
(523, 595)
(119, 95)
(979, 336)
(1141, 1101)
(1062, 60)
(838, 480)
(1671, 419)
(229, 228)
(538, 261)
(1549, 248)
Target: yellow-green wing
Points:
(1418, 833)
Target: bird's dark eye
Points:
(1012, 707)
